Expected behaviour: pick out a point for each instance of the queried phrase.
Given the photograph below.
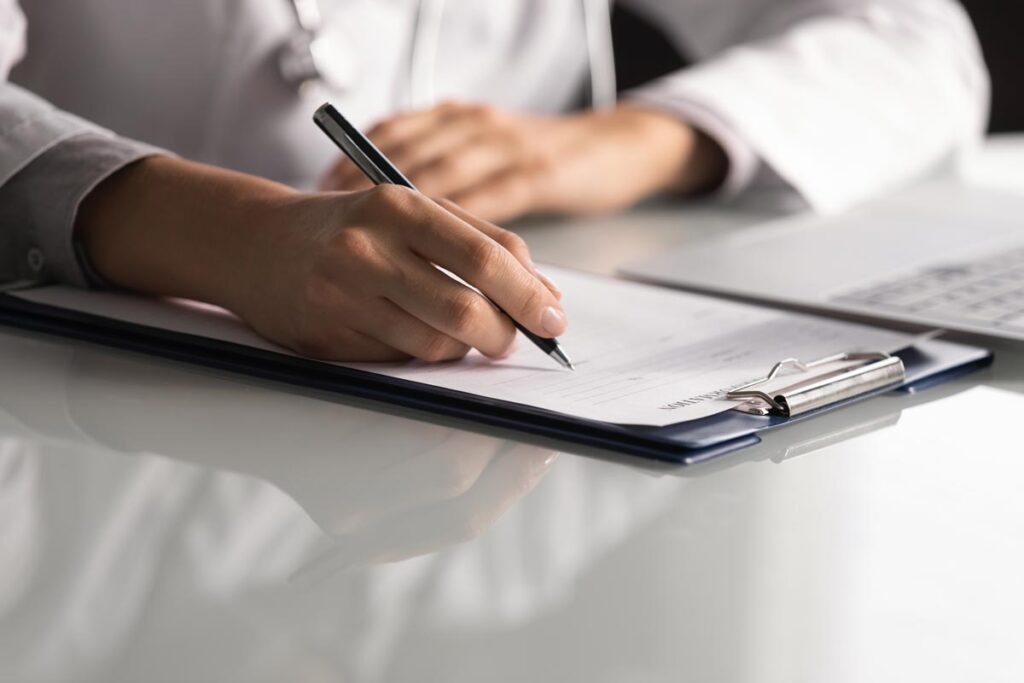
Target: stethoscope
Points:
(301, 60)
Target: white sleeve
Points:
(841, 99)
(49, 161)
(28, 125)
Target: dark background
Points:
(999, 24)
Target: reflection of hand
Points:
(384, 486)
(334, 276)
(436, 499)
(500, 165)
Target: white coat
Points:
(839, 99)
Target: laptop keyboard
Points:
(987, 293)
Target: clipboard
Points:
(790, 392)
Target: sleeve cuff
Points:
(50, 190)
(744, 163)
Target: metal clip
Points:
(857, 374)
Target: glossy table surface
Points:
(164, 522)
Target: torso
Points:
(200, 77)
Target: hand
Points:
(460, 492)
(333, 276)
(352, 277)
(500, 165)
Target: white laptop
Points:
(943, 255)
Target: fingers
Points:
(398, 329)
(412, 155)
(353, 320)
(394, 137)
(501, 197)
(407, 125)
(345, 344)
(448, 148)
(380, 278)
(509, 476)
(345, 176)
(408, 139)
(506, 238)
(448, 241)
(461, 168)
(453, 309)
(426, 474)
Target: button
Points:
(36, 260)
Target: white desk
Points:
(164, 522)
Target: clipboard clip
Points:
(818, 384)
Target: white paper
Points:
(644, 355)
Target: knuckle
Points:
(448, 205)
(355, 244)
(484, 257)
(532, 300)
(437, 347)
(383, 129)
(387, 131)
(466, 313)
(391, 198)
(512, 242)
(485, 113)
(517, 137)
(454, 166)
(543, 164)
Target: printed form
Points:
(644, 355)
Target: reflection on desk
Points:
(92, 514)
(152, 517)
(166, 523)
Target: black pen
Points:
(381, 171)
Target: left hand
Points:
(501, 165)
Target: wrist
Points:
(170, 227)
(682, 159)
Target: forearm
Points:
(648, 152)
(839, 100)
(175, 228)
(500, 165)
(339, 276)
(49, 161)
(669, 154)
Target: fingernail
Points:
(553, 321)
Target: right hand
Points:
(336, 276)
(349, 277)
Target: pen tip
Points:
(559, 355)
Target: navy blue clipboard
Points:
(928, 363)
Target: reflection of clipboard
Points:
(795, 393)
(811, 436)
